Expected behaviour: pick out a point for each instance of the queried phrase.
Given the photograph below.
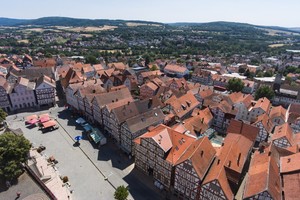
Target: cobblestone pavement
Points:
(93, 173)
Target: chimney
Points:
(269, 154)
(150, 103)
(229, 163)
(238, 160)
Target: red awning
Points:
(44, 119)
(31, 117)
(33, 121)
(49, 124)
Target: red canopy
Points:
(33, 121)
(44, 119)
(31, 117)
(49, 124)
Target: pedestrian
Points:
(7, 184)
(18, 194)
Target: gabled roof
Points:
(32, 73)
(266, 122)
(134, 108)
(170, 141)
(175, 68)
(198, 123)
(232, 155)
(151, 73)
(278, 111)
(286, 131)
(201, 154)
(144, 120)
(263, 174)
(290, 163)
(290, 172)
(118, 65)
(238, 97)
(112, 96)
(263, 103)
(183, 105)
(45, 79)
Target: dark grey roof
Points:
(33, 73)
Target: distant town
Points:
(120, 115)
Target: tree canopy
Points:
(264, 91)
(13, 151)
(121, 193)
(235, 85)
(3, 115)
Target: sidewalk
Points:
(113, 163)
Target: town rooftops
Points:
(229, 164)
(144, 120)
(170, 141)
(119, 65)
(201, 154)
(263, 103)
(278, 111)
(266, 121)
(175, 68)
(183, 105)
(46, 79)
(132, 109)
(112, 96)
(263, 175)
(286, 131)
(199, 123)
(290, 172)
(238, 97)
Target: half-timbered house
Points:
(227, 171)
(192, 167)
(265, 126)
(263, 178)
(157, 152)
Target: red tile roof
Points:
(278, 111)
(170, 141)
(263, 174)
(232, 156)
(201, 154)
(183, 105)
(266, 122)
(290, 171)
(175, 68)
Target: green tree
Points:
(91, 59)
(268, 74)
(288, 80)
(153, 68)
(3, 115)
(264, 91)
(121, 193)
(235, 85)
(13, 151)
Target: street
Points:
(93, 173)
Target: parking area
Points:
(94, 172)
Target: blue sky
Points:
(260, 12)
